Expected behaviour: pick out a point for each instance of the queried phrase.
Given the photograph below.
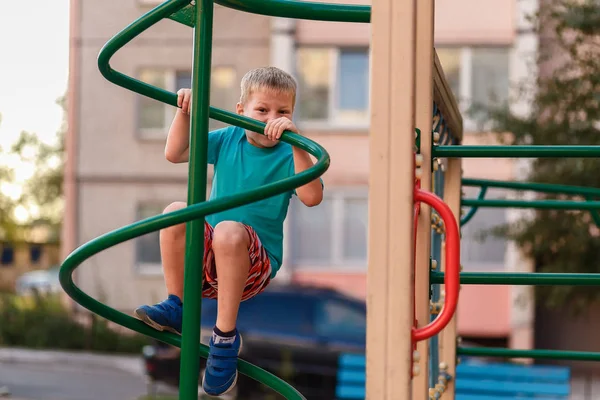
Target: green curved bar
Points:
(473, 210)
(587, 192)
(594, 213)
(302, 9)
(165, 10)
(165, 220)
(539, 204)
(533, 186)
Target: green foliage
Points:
(44, 190)
(42, 322)
(565, 111)
(42, 194)
(8, 225)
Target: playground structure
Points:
(414, 196)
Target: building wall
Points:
(19, 258)
(120, 167)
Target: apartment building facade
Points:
(117, 173)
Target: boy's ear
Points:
(239, 108)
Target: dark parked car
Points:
(293, 331)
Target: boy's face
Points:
(265, 105)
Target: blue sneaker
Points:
(220, 375)
(164, 316)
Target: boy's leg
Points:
(230, 247)
(242, 269)
(167, 315)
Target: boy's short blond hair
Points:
(267, 78)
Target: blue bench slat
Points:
(474, 381)
(352, 361)
(503, 387)
(480, 397)
(350, 376)
(514, 372)
(350, 392)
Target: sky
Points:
(34, 61)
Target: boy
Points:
(242, 246)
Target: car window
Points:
(336, 319)
(278, 312)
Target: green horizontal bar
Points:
(535, 151)
(521, 278)
(540, 204)
(535, 354)
(533, 186)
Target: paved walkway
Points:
(132, 364)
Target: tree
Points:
(8, 225)
(43, 193)
(565, 111)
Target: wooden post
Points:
(423, 117)
(390, 272)
(452, 194)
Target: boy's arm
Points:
(310, 194)
(177, 149)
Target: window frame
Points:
(337, 262)
(169, 111)
(160, 134)
(146, 268)
(333, 121)
(465, 80)
(476, 266)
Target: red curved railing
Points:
(452, 272)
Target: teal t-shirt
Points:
(240, 166)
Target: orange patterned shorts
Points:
(259, 275)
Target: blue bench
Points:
(474, 381)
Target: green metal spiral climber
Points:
(199, 15)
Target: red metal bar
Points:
(452, 272)
(416, 213)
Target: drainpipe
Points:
(523, 65)
(283, 49)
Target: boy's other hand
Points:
(184, 100)
(276, 127)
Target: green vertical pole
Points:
(190, 342)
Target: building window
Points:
(35, 253)
(147, 247)
(334, 233)
(154, 117)
(478, 76)
(333, 86)
(480, 249)
(7, 256)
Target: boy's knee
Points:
(230, 235)
(177, 205)
(175, 230)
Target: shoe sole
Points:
(230, 388)
(142, 316)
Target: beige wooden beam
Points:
(423, 117)
(389, 281)
(452, 194)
